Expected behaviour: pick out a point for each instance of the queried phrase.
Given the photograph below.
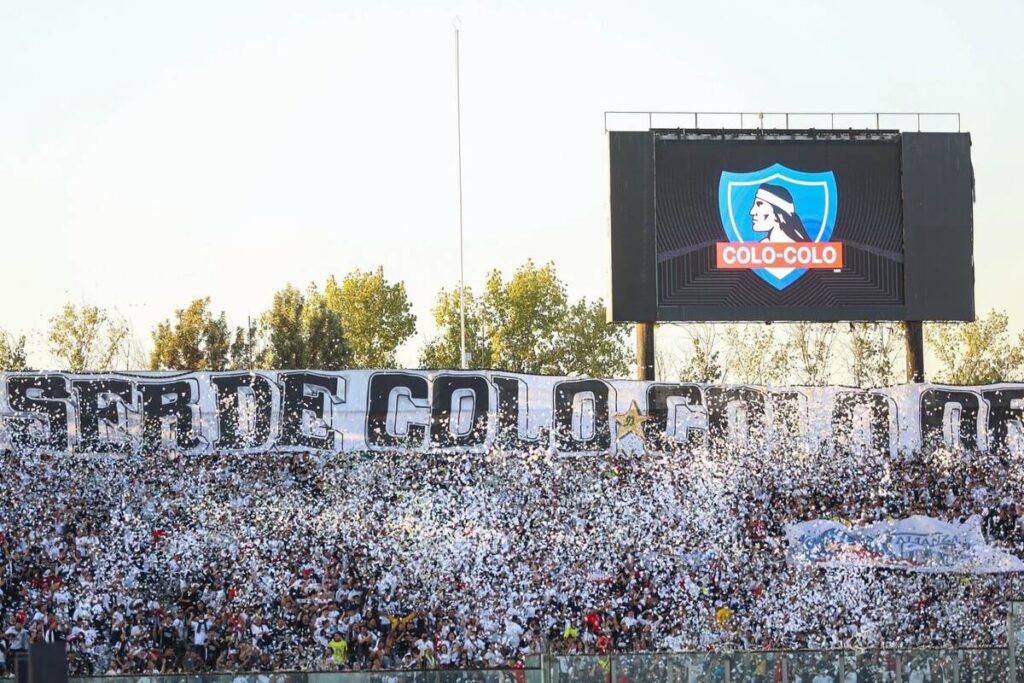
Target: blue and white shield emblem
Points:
(779, 205)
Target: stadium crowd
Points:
(169, 562)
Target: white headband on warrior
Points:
(775, 200)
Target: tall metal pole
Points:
(462, 269)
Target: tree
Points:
(12, 353)
(703, 363)
(811, 347)
(303, 332)
(523, 317)
(247, 351)
(195, 341)
(376, 316)
(754, 355)
(87, 338)
(528, 325)
(445, 351)
(979, 352)
(590, 345)
(873, 347)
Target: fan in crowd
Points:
(167, 562)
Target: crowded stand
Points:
(167, 562)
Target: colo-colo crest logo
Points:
(778, 222)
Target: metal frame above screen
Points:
(921, 122)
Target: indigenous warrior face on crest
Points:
(774, 213)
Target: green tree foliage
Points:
(12, 353)
(304, 332)
(756, 356)
(87, 338)
(524, 317)
(527, 324)
(703, 363)
(811, 347)
(376, 316)
(872, 349)
(979, 352)
(590, 345)
(247, 350)
(195, 340)
(445, 351)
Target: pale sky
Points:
(152, 153)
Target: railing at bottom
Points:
(528, 675)
(775, 666)
(410, 676)
(803, 666)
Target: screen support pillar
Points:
(914, 331)
(645, 351)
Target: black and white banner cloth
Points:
(304, 410)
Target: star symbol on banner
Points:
(630, 422)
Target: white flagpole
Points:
(462, 270)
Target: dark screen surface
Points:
(684, 203)
(689, 221)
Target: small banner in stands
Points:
(918, 544)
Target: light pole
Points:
(462, 268)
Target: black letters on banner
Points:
(660, 415)
(300, 410)
(843, 409)
(1002, 414)
(565, 397)
(175, 399)
(933, 416)
(44, 396)
(381, 425)
(113, 392)
(442, 431)
(789, 415)
(229, 391)
(509, 412)
(302, 393)
(750, 401)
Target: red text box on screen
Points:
(753, 255)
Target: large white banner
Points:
(304, 410)
(919, 544)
